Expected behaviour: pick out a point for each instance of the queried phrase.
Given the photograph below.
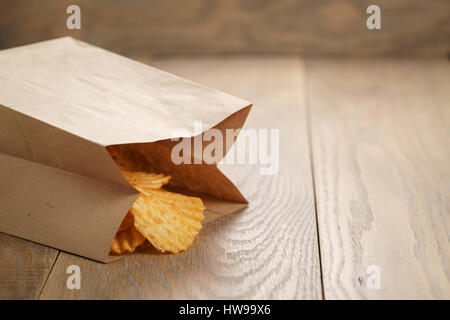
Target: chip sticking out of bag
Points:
(126, 241)
(169, 221)
(144, 181)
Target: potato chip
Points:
(126, 241)
(127, 222)
(145, 181)
(170, 221)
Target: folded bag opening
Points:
(194, 178)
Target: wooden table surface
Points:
(364, 180)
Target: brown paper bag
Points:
(62, 103)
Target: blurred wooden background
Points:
(309, 27)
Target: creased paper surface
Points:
(61, 103)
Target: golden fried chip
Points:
(126, 241)
(144, 181)
(127, 222)
(170, 221)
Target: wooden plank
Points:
(24, 267)
(380, 136)
(267, 251)
(308, 27)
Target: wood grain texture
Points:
(266, 251)
(380, 136)
(24, 267)
(309, 27)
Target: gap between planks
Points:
(311, 157)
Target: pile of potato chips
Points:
(169, 221)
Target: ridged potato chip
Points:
(144, 181)
(170, 221)
(126, 241)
